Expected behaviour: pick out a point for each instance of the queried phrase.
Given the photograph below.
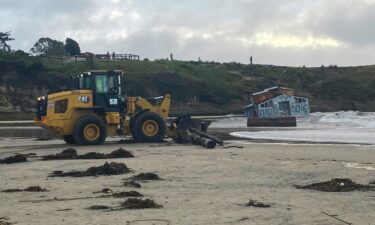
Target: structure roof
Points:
(273, 98)
(270, 89)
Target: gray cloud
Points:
(351, 22)
(283, 32)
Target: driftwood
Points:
(194, 131)
(123, 194)
(58, 199)
(198, 140)
(335, 217)
(149, 220)
(208, 136)
(233, 146)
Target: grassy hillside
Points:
(195, 87)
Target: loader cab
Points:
(106, 88)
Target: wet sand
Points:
(199, 186)
(22, 131)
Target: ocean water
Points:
(336, 127)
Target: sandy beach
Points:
(198, 186)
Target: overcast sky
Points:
(281, 32)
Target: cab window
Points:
(100, 84)
(112, 86)
(105, 84)
(84, 83)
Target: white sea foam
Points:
(342, 119)
(359, 166)
(338, 127)
(350, 136)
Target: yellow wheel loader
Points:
(97, 108)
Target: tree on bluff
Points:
(4, 38)
(72, 47)
(48, 47)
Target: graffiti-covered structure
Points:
(276, 105)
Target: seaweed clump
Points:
(28, 189)
(107, 169)
(137, 203)
(257, 204)
(127, 194)
(336, 185)
(146, 176)
(70, 153)
(132, 184)
(19, 158)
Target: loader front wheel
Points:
(149, 127)
(90, 130)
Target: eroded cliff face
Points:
(199, 88)
(16, 100)
(20, 103)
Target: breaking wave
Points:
(334, 127)
(341, 119)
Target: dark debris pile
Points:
(19, 158)
(137, 203)
(146, 176)
(98, 207)
(28, 189)
(337, 185)
(123, 194)
(5, 221)
(132, 184)
(120, 153)
(133, 181)
(126, 194)
(257, 204)
(107, 169)
(130, 203)
(71, 153)
(104, 190)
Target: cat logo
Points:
(84, 99)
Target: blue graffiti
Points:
(266, 112)
(295, 106)
(300, 109)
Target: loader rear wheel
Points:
(68, 139)
(90, 130)
(149, 127)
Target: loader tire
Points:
(90, 130)
(68, 139)
(149, 127)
